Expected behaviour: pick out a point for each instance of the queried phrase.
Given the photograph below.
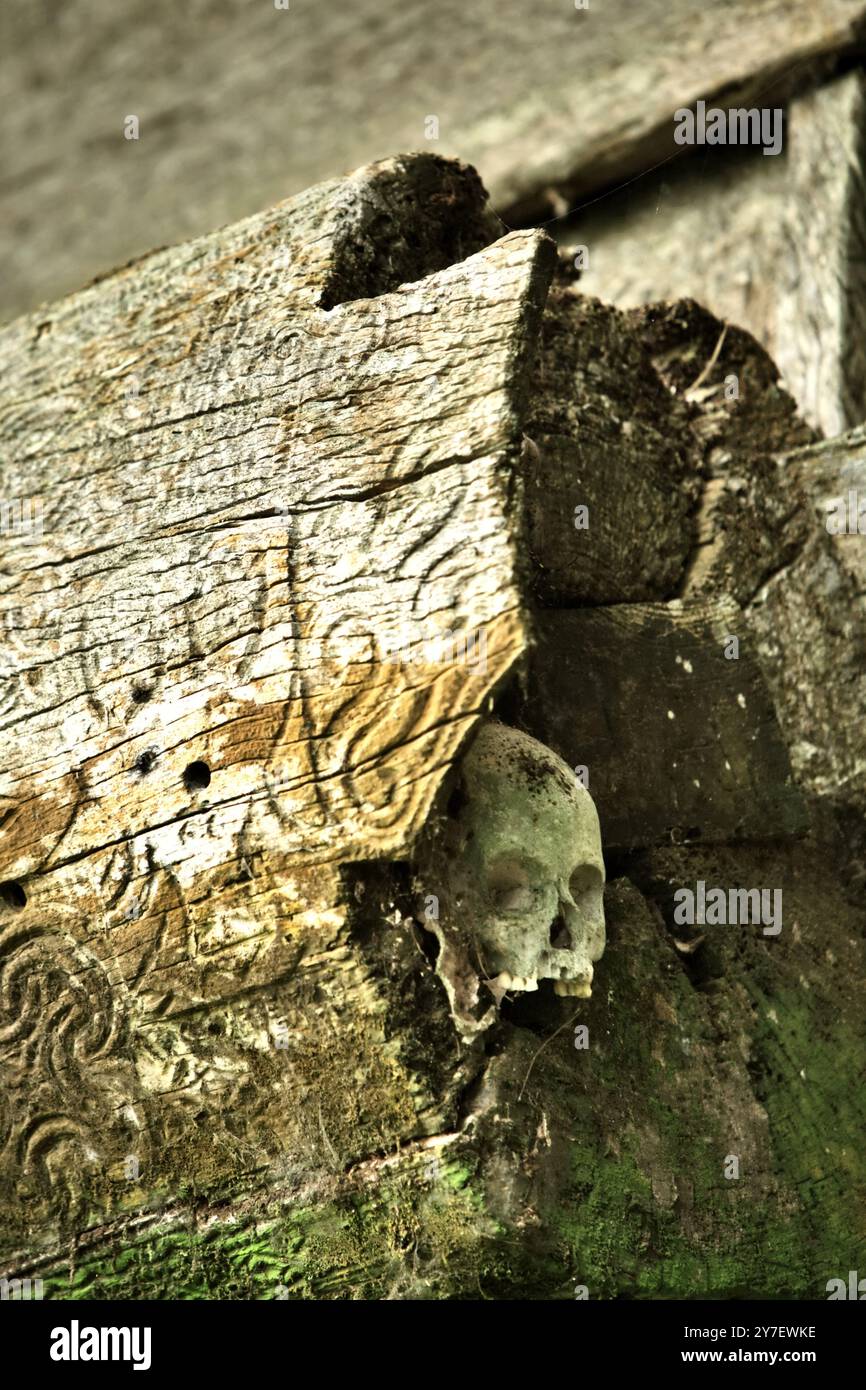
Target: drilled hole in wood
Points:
(12, 895)
(141, 694)
(196, 776)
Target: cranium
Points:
(514, 878)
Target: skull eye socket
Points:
(509, 886)
(516, 899)
(585, 879)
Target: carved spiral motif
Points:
(59, 1035)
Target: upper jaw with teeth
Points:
(505, 983)
(578, 989)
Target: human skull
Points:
(516, 874)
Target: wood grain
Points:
(241, 104)
(260, 461)
(773, 245)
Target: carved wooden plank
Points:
(236, 595)
(678, 734)
(241, 104)
(775, 245)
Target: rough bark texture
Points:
(228, 1065)
(763, 539)
(776, 245)
(746, 525)
(241, 104)
(613, 467)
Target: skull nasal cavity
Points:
(559, 937)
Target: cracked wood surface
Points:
(260, 461)
(808, 623)
(241, 104)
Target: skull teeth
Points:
(578, 989)
(506, 982)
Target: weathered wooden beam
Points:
(235, 474)
(808, 623)
(259, 580)
(241, 104)
(251, 465)
(774, 245)
(819, 283)
(586, 1140)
